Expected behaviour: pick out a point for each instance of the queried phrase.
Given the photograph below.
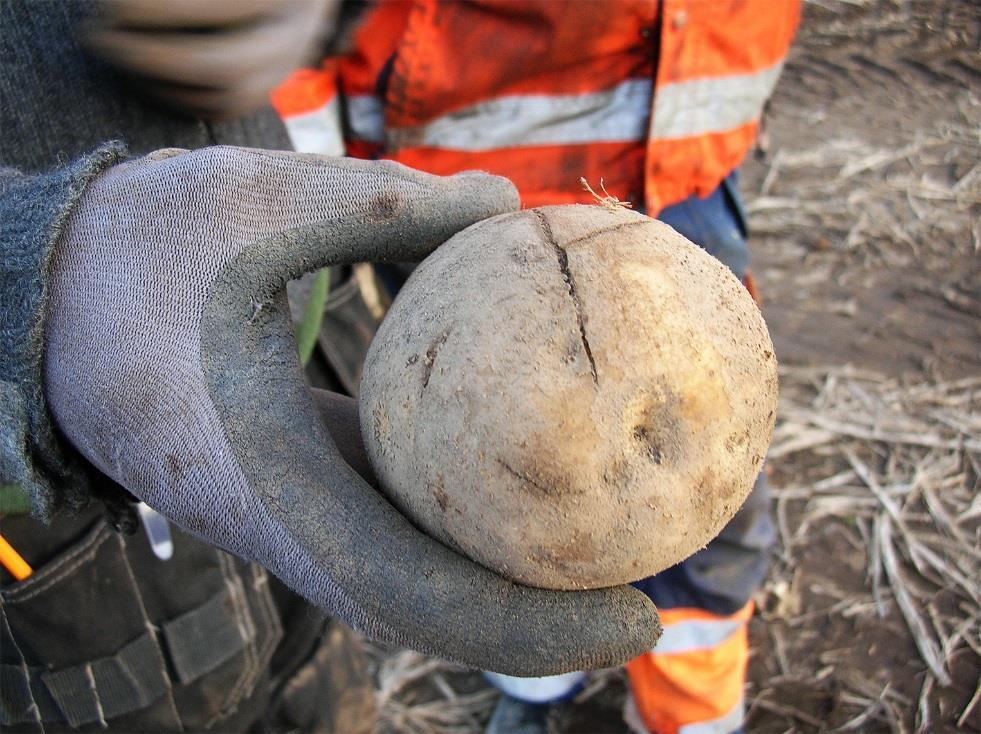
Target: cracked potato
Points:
(573, 396)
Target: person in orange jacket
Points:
(660, 100)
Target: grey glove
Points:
(171, 365)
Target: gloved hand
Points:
(211, 58)
(171, 365)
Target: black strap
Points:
(94, 691)
(130, 680)
(198, 642)
(204, 638)
(18, 700)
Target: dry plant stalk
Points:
(417, 694)
(899, 462)
(883, 204)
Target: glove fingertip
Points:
(485, 192)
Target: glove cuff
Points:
(33, 212)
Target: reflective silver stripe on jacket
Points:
(711, 105)
(619, 114)
(318, 131)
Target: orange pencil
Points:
(13, 561)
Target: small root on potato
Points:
(608, 200)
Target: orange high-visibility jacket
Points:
(661, 98)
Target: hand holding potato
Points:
(170, 363)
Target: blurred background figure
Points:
(661, 102)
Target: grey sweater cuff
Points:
(33, 212)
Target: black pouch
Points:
(105, 635)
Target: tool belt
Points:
(104, 634)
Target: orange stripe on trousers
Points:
(696, 685)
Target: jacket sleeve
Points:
(33, 211)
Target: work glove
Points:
(211, 58)
(171, 365)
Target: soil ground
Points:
(864, 197)
(887, 283)
(893, 81)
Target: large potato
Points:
(573, 396)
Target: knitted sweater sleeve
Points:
(33, 211)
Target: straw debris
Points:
(893, 467)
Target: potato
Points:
(573, 396)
